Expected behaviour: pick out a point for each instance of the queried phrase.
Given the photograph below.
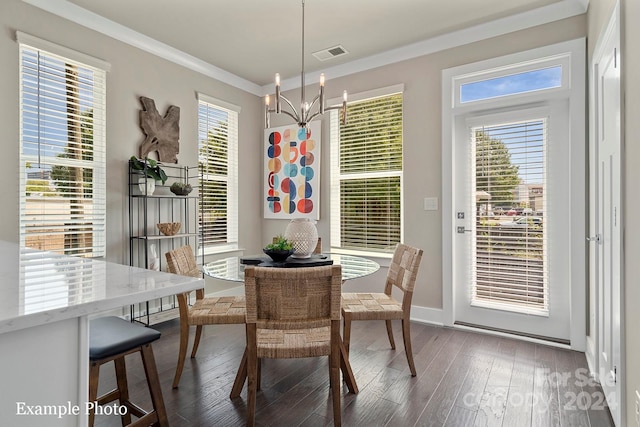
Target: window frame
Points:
(99, 68)
(231, 179)
(336, 176)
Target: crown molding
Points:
(93, 21)
(554, 12)
(543, 15)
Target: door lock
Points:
(595, 238)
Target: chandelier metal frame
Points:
(306, 113)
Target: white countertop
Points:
(39, 287)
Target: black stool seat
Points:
(110, 340)
(112, 335)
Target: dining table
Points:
(232, 269)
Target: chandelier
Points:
(308, 111)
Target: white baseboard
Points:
(590, 354)
(238, 290)
(431, 316)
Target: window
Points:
(366, 175)
(217, 148)
(62, 149)
(529, 81)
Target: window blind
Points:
(62, 155)
(218, 140)
(509, 268)
(368, 171)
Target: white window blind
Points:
(62, 155)
(367, 175)
(509, 268)
(217, 147)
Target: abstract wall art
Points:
(292, 172)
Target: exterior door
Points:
(606, 243)
(511, 222)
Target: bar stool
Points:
(111, 339)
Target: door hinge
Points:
(615, 374)
(615, 57)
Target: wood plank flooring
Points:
(464, 379)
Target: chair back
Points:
(404, 268)
(293, 298)
(182, 261)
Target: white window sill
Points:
(382, 258)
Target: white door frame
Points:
(611, 35)
(576, 99)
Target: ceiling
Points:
(253, 39)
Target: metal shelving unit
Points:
(145, 211)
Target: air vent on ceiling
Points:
(329, 53)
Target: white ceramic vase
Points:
(302, 232)
(147, 185)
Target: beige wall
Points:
(422, 139)
(134, 73)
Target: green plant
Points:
(280, 244)
(149, 167)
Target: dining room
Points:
(517, 314)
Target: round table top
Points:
(232, 269)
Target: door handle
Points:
(595, 238)
(462, 230)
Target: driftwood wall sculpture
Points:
(162, 133)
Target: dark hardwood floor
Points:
(464, 379)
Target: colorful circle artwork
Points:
(292, 162)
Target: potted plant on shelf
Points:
(151, 171)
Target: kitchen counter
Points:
(45, 302)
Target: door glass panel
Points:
(509, 265)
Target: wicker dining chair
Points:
(293, 313)
(383, 306)
(205, 311)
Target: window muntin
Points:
(512, 84)
(217, 149)
(367, 175)
(62, 154)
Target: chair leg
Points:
(154, 384)
(196, 341)
(259, 375)
(406, 336)
(241, 375)
(94, 375)
(184, 343)
(390, 334)
(346, 333)
(252, 372)
(334, 377)
(123, 387)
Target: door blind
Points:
(62, 156)
(509, 265)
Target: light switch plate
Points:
(430, 203)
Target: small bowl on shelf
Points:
(180, 188)
(169, 228)
(278, 255)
